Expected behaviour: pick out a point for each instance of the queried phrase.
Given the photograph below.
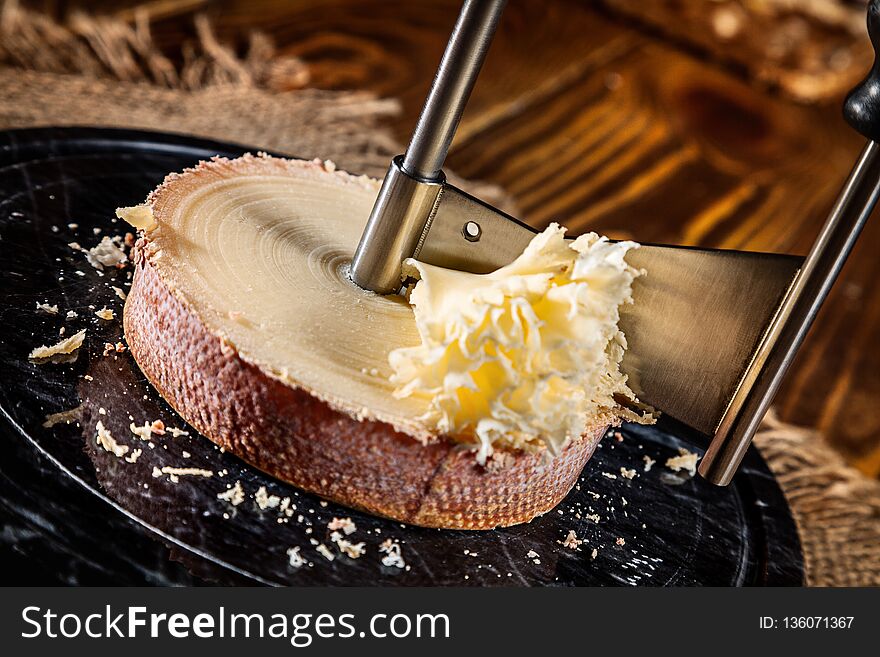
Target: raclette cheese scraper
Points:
(711, 333)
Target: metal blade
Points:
(697, 317)
(466, 234)
(695, 325)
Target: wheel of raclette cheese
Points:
(242, 315)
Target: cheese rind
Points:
(527, 355)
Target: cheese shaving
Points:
(66, 346)
(71, 415)
(684, 461)
(524, 356)
(139, 216)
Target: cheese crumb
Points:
(627, 474)
(534, 556)
(105, 313)
(649, 462)
(325, 552)
(684, 461)
(146, 432)
(46, 308)
(133, 457)
(176, 433)
(345, 524)
(106, 440)
(351, 550)
(296, 559)
(233, 495)
(119, 292)
(106, 253)
(66, 346)
(571, 541)
(620, 541)
(393, 558)
(266, 501)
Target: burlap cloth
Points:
(107, 72)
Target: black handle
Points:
(861, 109)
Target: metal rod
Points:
(451, 88)
(790, 326)
(413, 184)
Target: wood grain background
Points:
(601, 126)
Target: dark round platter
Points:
(59, 186)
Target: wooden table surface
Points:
(590, 122)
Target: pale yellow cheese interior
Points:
(263, 260)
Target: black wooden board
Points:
(62, 185)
